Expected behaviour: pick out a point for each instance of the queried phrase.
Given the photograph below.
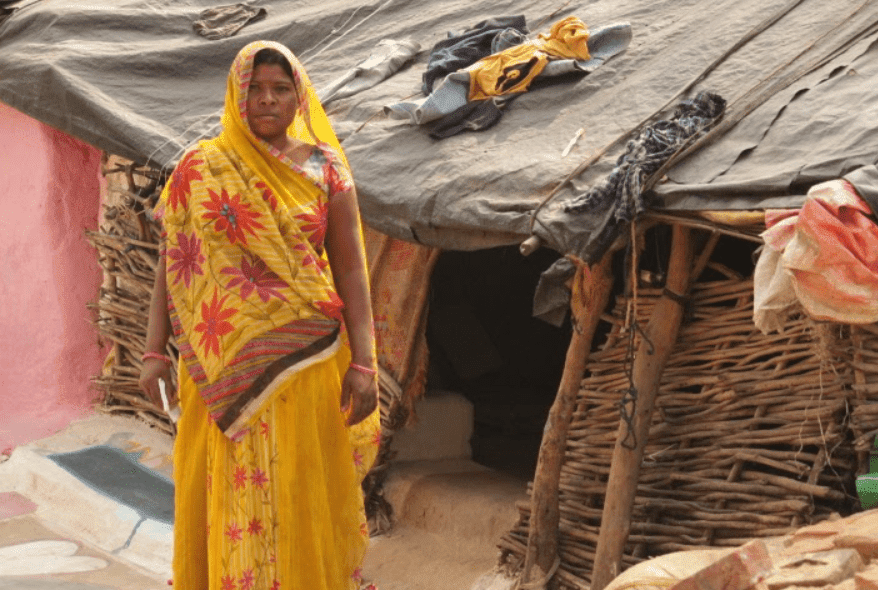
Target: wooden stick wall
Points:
(127, 244)
(752, 435)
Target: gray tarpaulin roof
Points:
(134, 79)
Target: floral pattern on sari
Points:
(250, 523)
(247, 275)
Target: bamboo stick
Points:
(591, 293)
(648, 366)
(114, 241)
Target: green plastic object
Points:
(867, 490)
(867, 485)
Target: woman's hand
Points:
(150, 373)
(359, 396)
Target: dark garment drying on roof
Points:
(620, 197)
(552, 297)
(462, 49)
(607, 207)
(448, 109)
(473, 116)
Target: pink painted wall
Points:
(49, 194)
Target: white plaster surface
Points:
(152, 547)
(67, 502)
(45, 557)
(82, 513)
(443, 429)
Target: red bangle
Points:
(364, 370)
(157, 356)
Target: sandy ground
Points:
(415, 559)
(450, 516)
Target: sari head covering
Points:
(251, 297)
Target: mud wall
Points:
(49, 194)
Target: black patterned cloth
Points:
(601, 213)
(644, 155)
(464, 48)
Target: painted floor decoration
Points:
(120, 475)
(46, 557)
(25, 584)
(14, 504)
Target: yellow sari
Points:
(267, 474)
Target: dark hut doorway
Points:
(485, 344)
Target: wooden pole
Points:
(591, 292)
(649, 363)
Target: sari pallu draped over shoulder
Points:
(251, 297)
(271, 499)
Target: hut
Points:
(676, 423)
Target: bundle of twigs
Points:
(127, 243)
(863, 359)
(751, 437)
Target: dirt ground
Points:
(449, 518)
(414, 559)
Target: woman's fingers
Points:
(150, 387)
(345, 402)
(356, 416)
(364, 401)
(152, 371)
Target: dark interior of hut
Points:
(485, 344)
(730, 258)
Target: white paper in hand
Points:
(173, 413)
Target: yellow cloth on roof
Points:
(512, 70)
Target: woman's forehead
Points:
(269, 73)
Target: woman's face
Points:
(271, 104)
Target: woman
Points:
(279, 412)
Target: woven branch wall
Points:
(752, 435)
(127, 243)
